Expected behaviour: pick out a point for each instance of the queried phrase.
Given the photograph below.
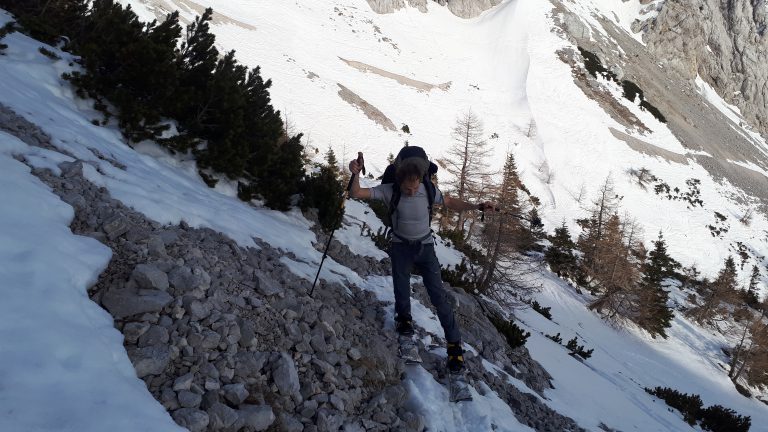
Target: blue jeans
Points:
(404, 257)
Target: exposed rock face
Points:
(723, 41)
(461, 8)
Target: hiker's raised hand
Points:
(357, 165)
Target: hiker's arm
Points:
(456, 204)
(356, 191)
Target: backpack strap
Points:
(431, 194)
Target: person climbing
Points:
(407, 188)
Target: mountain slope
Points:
(366, 75)
(531, 87)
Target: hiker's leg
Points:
(402, 262)
(429, 267)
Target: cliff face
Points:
(723, 41)
(461, 8)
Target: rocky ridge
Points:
(227, 339)
(723, 42)
(460, 8)
(696, 123)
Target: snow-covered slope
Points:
(62, 365)
(425, 69)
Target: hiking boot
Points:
(404, 325)
(455, 357)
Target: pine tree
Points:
(331, 160)
(196, 62)
(750, 294)
(532, 233)
(283, 176)
(323, 191)
(128, 64)
(559, 254)
(653, 313)
(713, 295)
(46, 20)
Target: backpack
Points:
(410, 154)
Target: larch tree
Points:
(615, 272)
(466, 162)
(593, 229)
(502, 232)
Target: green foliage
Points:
(46, 20)
(48, 53)
(516, 336)
(720, 419)
(577, 349)
(129, 64)
(556, 338)
(560, 254)
(544, 311)
(460, 276)
(688, 405)
(322, 190)
(380, 238)
(715, 418)
(630, 90)
(5, 30)
(144, 74)
(656, 316)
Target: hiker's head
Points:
(408, 176)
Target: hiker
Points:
(412, 243)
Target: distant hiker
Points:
(410, 196)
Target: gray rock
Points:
(285, 374)
(76, 200)
(187, 280)
(221, 416)
(290, 423)
(148, 276)
(154, 336)
(71, 169)
(133, 330)
(235, 393)
(354, 354)
(150, 360)
(248, 364)
(257, 417)
(267, 286)
(156, 246)
(328, 420)
(247, 334)
(183, 382)
(199, 310)
(168, 399)
(191, 418)
(115, 226)
(188, 399)
(123, 303)
(210, 340)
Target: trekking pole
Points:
(330, 237)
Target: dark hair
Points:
(408, 171)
